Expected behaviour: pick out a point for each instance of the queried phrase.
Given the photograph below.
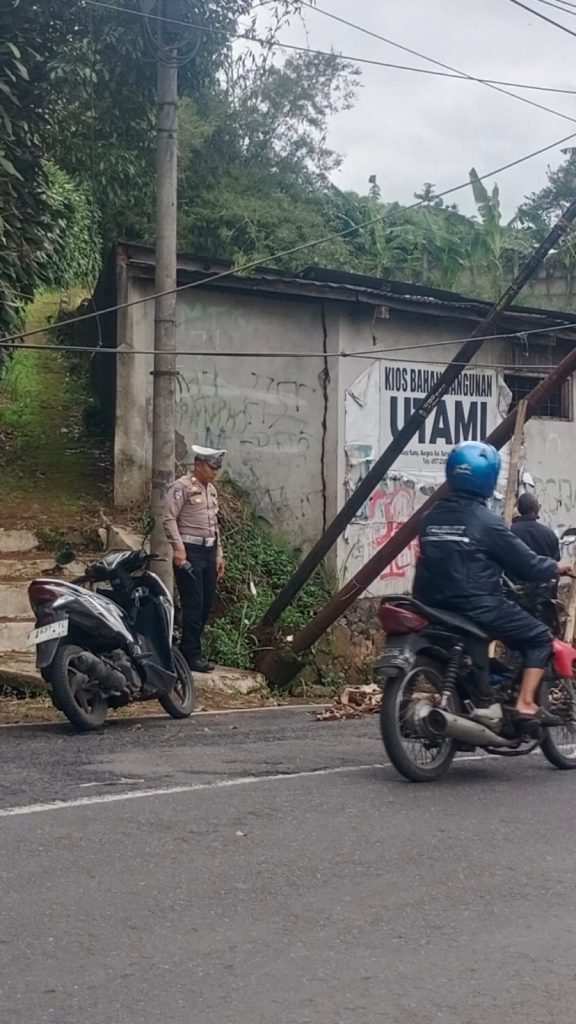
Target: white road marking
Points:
(244, 780)
(253, 711)
(110, 782)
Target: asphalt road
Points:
(230, 895)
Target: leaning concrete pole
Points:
(281, 666)
(412, 426)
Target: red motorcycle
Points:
(432, 670)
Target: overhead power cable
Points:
(565, 9)
(544, 17)
(520, 335)
(378, 354)
(438, 63)
(272, 258)
(371, 62)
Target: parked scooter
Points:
(101, 648)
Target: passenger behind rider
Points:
(527, 526)
(464, 550)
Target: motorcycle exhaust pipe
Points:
(110, 679)
(443, 723)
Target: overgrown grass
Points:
(257, 566)
(48, 467)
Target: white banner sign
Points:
(378, 404)
(469, 412)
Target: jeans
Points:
(505, 621)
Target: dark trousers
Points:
(505, 621)
(196, 597)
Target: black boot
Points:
(201, 664)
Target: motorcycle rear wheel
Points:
(559, 743)
(181, 700)
(85, 709)
(417, 759)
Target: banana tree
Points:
(493, 242)
(445, 239)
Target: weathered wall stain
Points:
(555, 489)
(557, 499)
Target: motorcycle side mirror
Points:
(65, 557)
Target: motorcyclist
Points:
(465, 548)
(528, 527)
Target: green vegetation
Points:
(257, 565)
(77, 107)
(77, 104)
(48, 230)
(50, 471)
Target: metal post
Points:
(515, 451)
(163, 424)
(412, 426)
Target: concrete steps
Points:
(14, 634)
(18, 541)
(24, 569)
(18, 670)
(20, 562)
(14, 600)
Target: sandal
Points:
(541, 717)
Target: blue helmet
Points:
(473, 468)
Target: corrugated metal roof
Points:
(397, 294)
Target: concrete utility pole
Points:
(515, 451)
(163, 423)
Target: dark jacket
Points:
(464, 549)
(539, 538)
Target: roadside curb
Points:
(154, 720)
(19, 672)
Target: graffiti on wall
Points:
(557, 498)
(555, 489)
(252, 416)
(388, 508)
(268, 413)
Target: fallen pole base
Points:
(280, 667)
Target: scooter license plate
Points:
(49, 632)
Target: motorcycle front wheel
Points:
(559, 744)
(84, 706)
(417, 756)
(180, 701)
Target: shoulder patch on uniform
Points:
(178, 493)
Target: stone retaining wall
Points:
(352, 644)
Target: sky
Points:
(408, 128)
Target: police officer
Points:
(465, 548)
(191, 526)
